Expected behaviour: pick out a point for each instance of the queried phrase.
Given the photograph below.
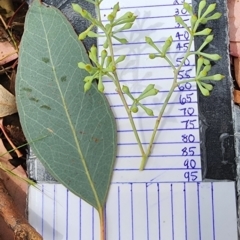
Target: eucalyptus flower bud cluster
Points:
(115, 24)
(102, 67)
(150, 90)
(203, 67)
(204, 60)
(201, 18)
(161, 53)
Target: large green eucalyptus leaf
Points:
(79, 150)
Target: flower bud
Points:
(207, 68)
(193, 20)
(82, 35)
(134, 108)
(202, 74)
(149, 91)
(149, 40)
(103, 56)
(87, 86)
(179, 20)
(111, 17)
(148, 111)
(126, 26)
(152, 56)
(116, 7)
(215, 16)
(207, 40)
(100, 86)
(208, 86)
(152, 44)
(148, 88)
(82, 65)
(206, 61)
(203, 21)
(120, 59)
(93, 54)
(199, 64)
(210, 8)
(105, 45)
(216, 77)
(125, 89)
(203, 90)
(206, 31)
(167, 45)
(111, 68)
(81, 11)
(88, 67)
(121, 40)
(201, 6)
(88, 79)
(93, 34)
(125, 18)
(188, 7)
(77, 8)
(108, 61)
(214, 57)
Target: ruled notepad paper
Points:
(176, 152)
(139, 211)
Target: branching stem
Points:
(119, 90)
(174, 85)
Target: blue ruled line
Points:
(172, 213)
(158, 143)
(92, 223)
(213, 217)
(161, 129)
(155, 104)
(199, 212)
(147, 214)
(146, 30)
(54, 211)
(155, 117)
(162, 91)
(119, 215)
(145, 79)
(131, 190)
(150, 67)
(42, 228)
(157, 169)
(155, 17)
(158, 156)
(105, 217)
(146, 54)
(159, 217)
(147, 6)
(67, 193)
(80, 219)
(185, 210)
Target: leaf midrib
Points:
(70, 122)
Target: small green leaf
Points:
(80, 151)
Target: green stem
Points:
(117, 84)
(149, 149)
(119, 90)
(174, 85)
